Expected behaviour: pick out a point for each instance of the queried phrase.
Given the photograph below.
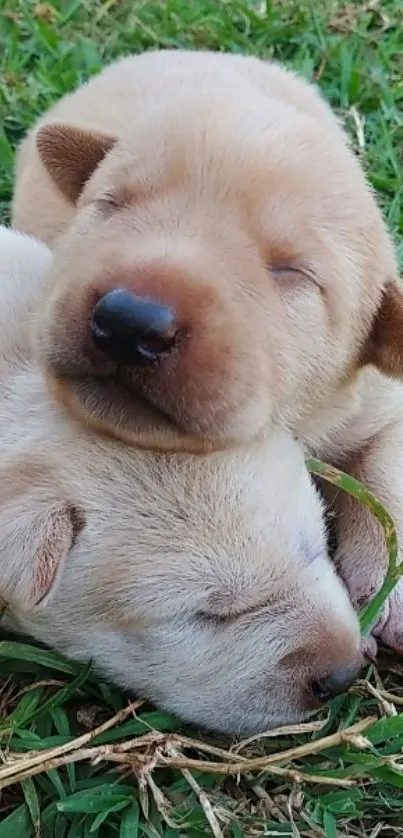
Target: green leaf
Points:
(18, 824)
(149, 830)
(60, 826)
(69, 11)
(385, 729)
(389, 775)
(341, 802)
(117, 807)
(76, 830)
(28, 740)
(57, 782)
(329, 825)
(31, 799)
(99, 799)
(62, 725)
(26, 707)
(33, 654)
(66, 692)
(6, 152)
(159, 721)
(361, 493)
(129, 826)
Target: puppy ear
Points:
(36, 535)
(384, 347)
(71, 155)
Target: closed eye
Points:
(220, 619)
(214, 619)
(109, 201)
(292, 275)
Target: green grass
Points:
(345, 786)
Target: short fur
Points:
(225, 187)
(201, 581)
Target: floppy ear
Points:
(384, 347)
(71, 155)
(36, 535)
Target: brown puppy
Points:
(223, 269)
(200, 581)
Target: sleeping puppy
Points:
(201, 581)
(221, 269)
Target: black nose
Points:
(133, 330)
(338, 681)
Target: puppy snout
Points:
(336, 681)
(133, 330)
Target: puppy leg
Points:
(361, 556)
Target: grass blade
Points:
(367, 498)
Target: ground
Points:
(350, 784)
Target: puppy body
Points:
(201, 581)
(224, 187)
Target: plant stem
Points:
(364, 496)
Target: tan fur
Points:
(200, 581)
(228, 191)
(48, 524)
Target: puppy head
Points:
(200, 581)
(227, 265)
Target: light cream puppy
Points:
(221, 268)
(201, 581)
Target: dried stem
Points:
(264, 762)
(152, 750)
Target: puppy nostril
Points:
(133, 330)
(319, 691)
(337, 682)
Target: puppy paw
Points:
(389, 628)
(362, 587)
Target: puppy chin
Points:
(108, 407)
